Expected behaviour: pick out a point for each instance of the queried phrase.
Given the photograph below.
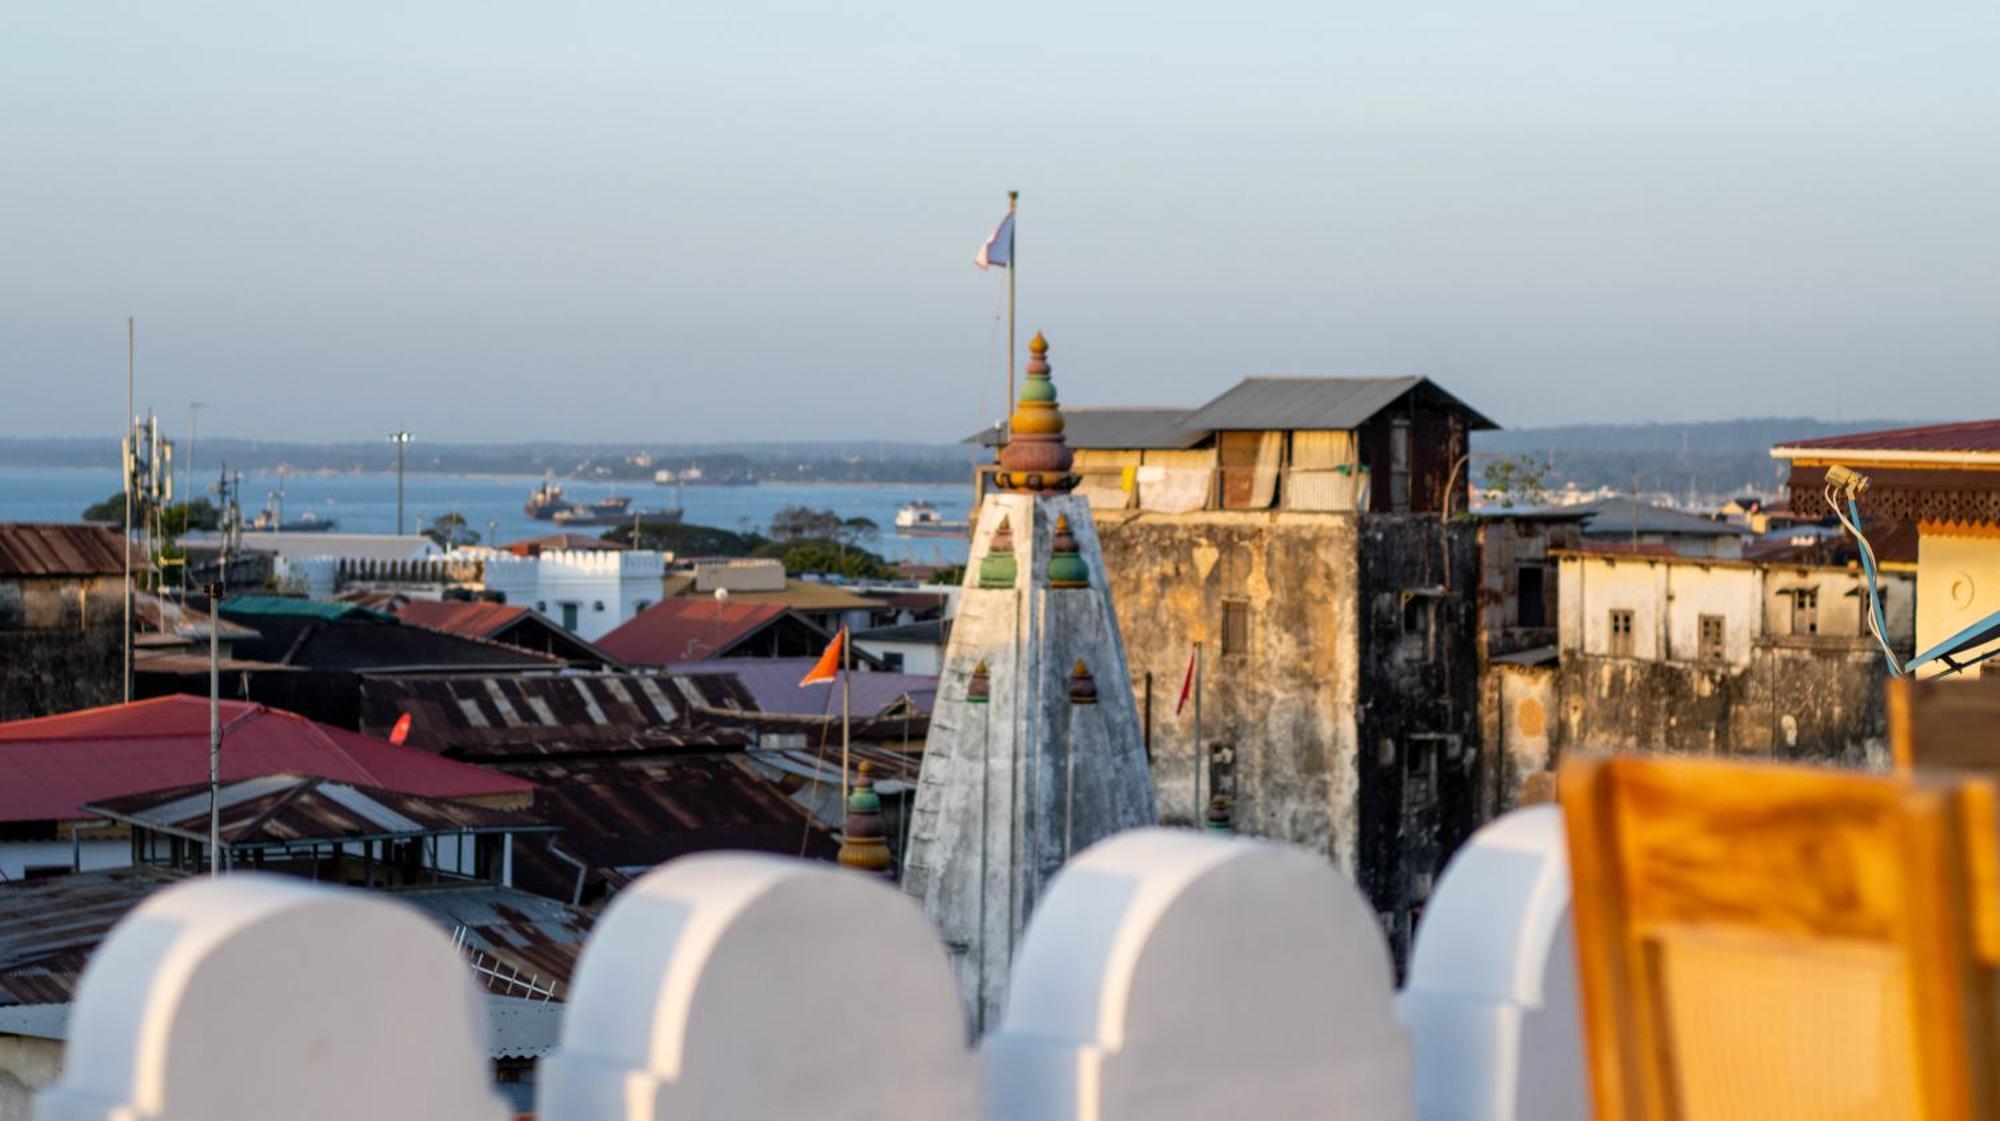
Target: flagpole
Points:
(1013, 259)
(846, 670)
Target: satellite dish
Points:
(401, 731)
(721, 596)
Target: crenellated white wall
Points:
(606, 587)
(1167, 976)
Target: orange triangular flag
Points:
(828, 666)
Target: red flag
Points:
(828, 666)
(1187, 686)
(401, 731)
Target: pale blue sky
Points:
(672, 222)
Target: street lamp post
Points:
(399, 437)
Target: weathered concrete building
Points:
(61, 618)
(1308, 533)
(1034, 750)
(1716, 656)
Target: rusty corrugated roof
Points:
(496, 716)
(50, 927)
(281, 808)
(61, 549)
(1965, 436)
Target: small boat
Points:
(587, 515)
(546, 502)
(272, 517)
(921, 519)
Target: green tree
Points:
(1516, 480)
(827, 558)
(451, 531)
(688, 540)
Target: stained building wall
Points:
(1347, 720)
(1781, 683)
(61, 645)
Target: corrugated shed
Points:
(276, 809)
(1972, 436)
(1268, 403)
(60, 549)
(497, 717)
(51, 766)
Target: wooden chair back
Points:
(1948, 723)
(1769, 943)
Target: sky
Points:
(670, 222)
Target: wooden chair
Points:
(1948, 723)
(1769, 943)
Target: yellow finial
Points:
(1038, 344)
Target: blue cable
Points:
(1874, 595)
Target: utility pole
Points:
(214, 733)
(131, 451)
(187, 500)
(400, 438)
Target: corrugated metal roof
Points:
(1971, 436)
(1136, 428)
(631, 814)
(774, 684)
(51, 766)
(1312, 403)
(62, 549)
(1609, 517)
(50, 927)
(474, 619)
(282, 808)
(501, 717)
(151, 613)
(295, 606)
(674, 629)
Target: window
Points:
(892, 660)
(1530, 607)
(1805, 611)
(570, 611)
(1235, 627)
(1418, 615)
(1621, 633)
(1399, 465)
(1711, 632)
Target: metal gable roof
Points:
(52, 549)
(1143, 428)
(1312, 403)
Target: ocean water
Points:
(366, 503)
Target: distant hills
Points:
(1703, 458)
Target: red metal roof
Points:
(55, 549)
(471, 619)
(51, 766)
(1965, 436)
(680, 630)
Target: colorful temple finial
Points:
(1036, 460)
(1217, 820)
(864, 842)
(1066, 566)
(1082, 686)
(997, 569)
(979, 686)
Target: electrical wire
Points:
(1877, 622)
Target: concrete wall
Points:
(1958, 584)
(1773, 692)
(60, 645)
(1520, 713)
(1337, 702)
(16, 857)
(26, 1066)
(1287, 704)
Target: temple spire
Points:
(1036, 459)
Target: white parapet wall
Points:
(1168, 976)
(592, 591)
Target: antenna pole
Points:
(214, 735)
